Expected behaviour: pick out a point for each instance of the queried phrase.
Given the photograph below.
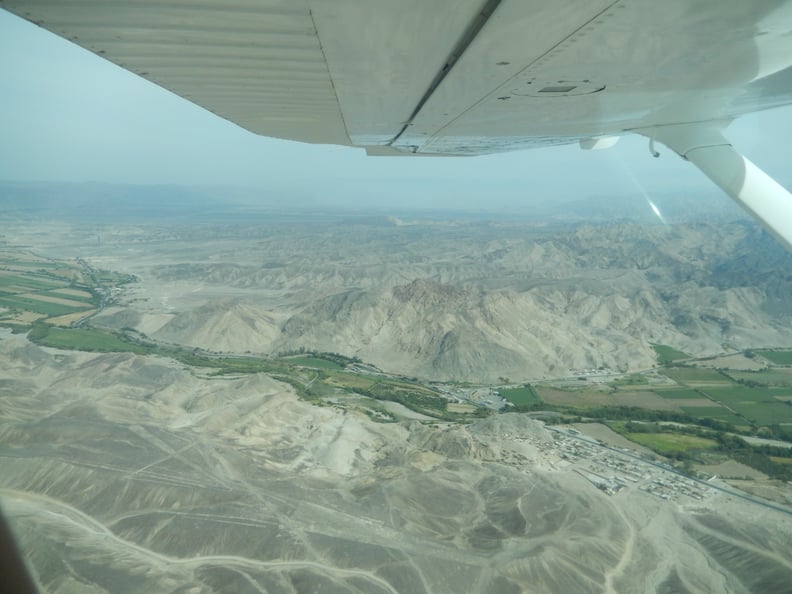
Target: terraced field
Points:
(34, 288)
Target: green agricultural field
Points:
(32, 264)
(777, 357)
(414, 396)
(695, 375)
(632, 380)
(524, 396)
(91, 339)
(42, 307)
(768, 377)
(316, 362)
(223, 365)
(714, 412)
(682, 393)
(320, 389)
(667, 354)
(364, 384)
(30, 282)
(418, 400)
(350, 381)
(765, 413)
(781, 393)
(53, 293)
(406, 385)
(737, 394)
(108, 277)
(671, 443)
(579, 399)
(84, 339)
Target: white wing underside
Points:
(371, 72)
(458, 77)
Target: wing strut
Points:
(705, 146)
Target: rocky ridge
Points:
(486, 300)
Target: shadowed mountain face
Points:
(135, 474)
(468, 301)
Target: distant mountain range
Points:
(103, 202)
(479, 301)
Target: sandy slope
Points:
(121, 471)
(472, 301)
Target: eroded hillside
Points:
(466, 301)
(130, 473)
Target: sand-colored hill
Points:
(129, 473)
(224, 325)
(431, 329)
(438, 330)
(471, 301)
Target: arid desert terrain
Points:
(169, 466)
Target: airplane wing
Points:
(463, 77)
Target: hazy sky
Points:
(69, 115)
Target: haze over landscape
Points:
(70, 116)
(290, 400)
(234, 364)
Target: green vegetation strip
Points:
(695, 375)
(34, 305)
(316, 362)
(83, 339)
(689, 443)
(768, 377)
(705, 428)
(714, 412)
(765, 413)
(679, 393)
(308, 384)
(781, 393)
(667, 354)
(29, 282)
(669, 444)
(522, 398)
(740, 394)
(417, 398)
(31, 263)
(634, 379)
(777, 357)
(54, 293)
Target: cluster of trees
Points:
(334, 357)
(436, 406)
(755, 456)
(654, 427)
(38, 332)
(777, 431)
(627, 413)
(749, 383)
(342, 360)
(408, 399)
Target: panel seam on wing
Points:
(329, 76)
(464, 42)
(523, 70)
